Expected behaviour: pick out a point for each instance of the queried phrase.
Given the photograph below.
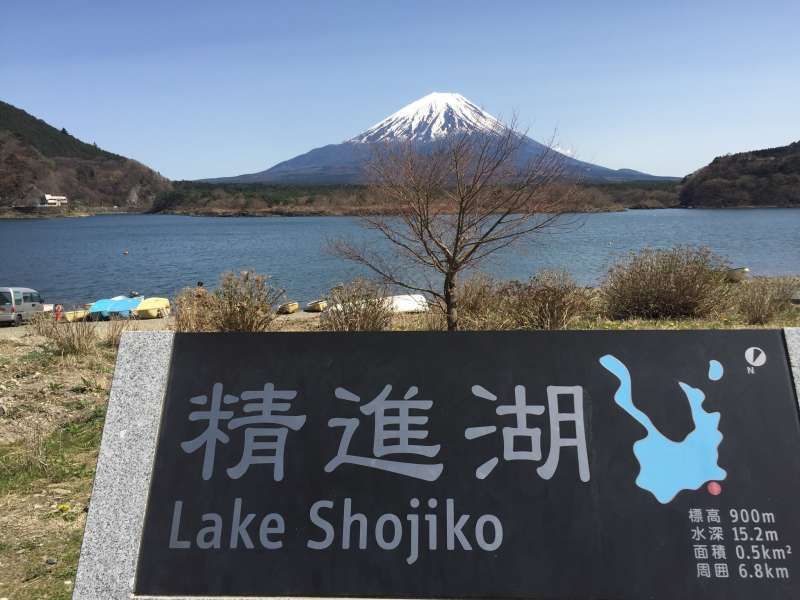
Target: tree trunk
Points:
(451, 301)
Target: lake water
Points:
(79, 260)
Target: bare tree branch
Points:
(454, 205)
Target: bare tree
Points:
(452, 207)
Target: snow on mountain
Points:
(422, 122)
(564, 151)
(431, 117)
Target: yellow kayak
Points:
(316, 306)
(71, 316)
(152, 308)
(288, 308)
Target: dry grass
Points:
(74, 338)
(114, 328)
(550, 300)
(31, 453)
(243, 302)
(481, 305)
(77, 338)
(194, 309)
(357, 306)
(41, 323)
(433, 320)
(681, 282)
(761, 299)
(53, 409)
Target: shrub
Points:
(550, 300)
(77, 338)
(243, 302)
(41, 323)
(433, 320)
(114, 329)
(481, 305)
(357, 306)
(759, 300)
(659, 284)
(194, 310)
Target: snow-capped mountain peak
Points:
(429, 118)
(423, 122)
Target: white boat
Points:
(404, 303)
(408, 303)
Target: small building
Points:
(50, 200)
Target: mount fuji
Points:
(422, 123)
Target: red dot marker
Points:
(714, 488)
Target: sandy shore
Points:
(300, 321)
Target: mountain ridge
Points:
(423, 122)
(767, 177)
(37, 158)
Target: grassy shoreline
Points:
(302, 211)
(275, 211)
(59, 213)
(198, 198)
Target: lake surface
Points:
(80, 260)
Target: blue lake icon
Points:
(668, 467)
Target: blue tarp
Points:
(118, 307)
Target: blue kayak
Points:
(114, 307)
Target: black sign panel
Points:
(519, 464)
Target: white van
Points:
(18, 304)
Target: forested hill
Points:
(36, 158)
(768, 177)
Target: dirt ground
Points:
(51, 413)
(33, 381)
(299, 321)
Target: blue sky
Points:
(200, 89)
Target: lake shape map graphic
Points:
(668, 467)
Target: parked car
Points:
(18, 304)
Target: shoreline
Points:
(11, 214)
(34, 213)
(299, 211)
